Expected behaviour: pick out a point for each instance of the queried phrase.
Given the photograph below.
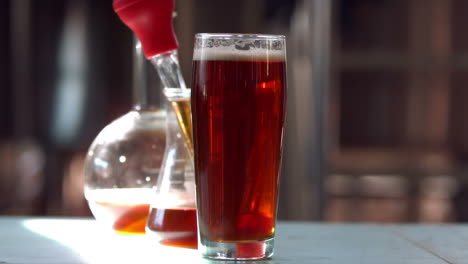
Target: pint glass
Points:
(238, 111)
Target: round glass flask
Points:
(123, 162)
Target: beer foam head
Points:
(258, 47)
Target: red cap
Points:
(151, 21)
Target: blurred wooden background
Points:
(386, 140)
(398, 103)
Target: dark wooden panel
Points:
(372, 106)
(374, 25)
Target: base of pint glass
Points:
(254, 250)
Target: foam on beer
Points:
(232, 54)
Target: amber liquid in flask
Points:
(125, 209)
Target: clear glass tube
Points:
(167, 65)
(168, 68)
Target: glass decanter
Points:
(172, 219)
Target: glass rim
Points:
(239, 36)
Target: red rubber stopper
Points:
(151, 21)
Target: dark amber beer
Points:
(238, 111)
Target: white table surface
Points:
(78, 240)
